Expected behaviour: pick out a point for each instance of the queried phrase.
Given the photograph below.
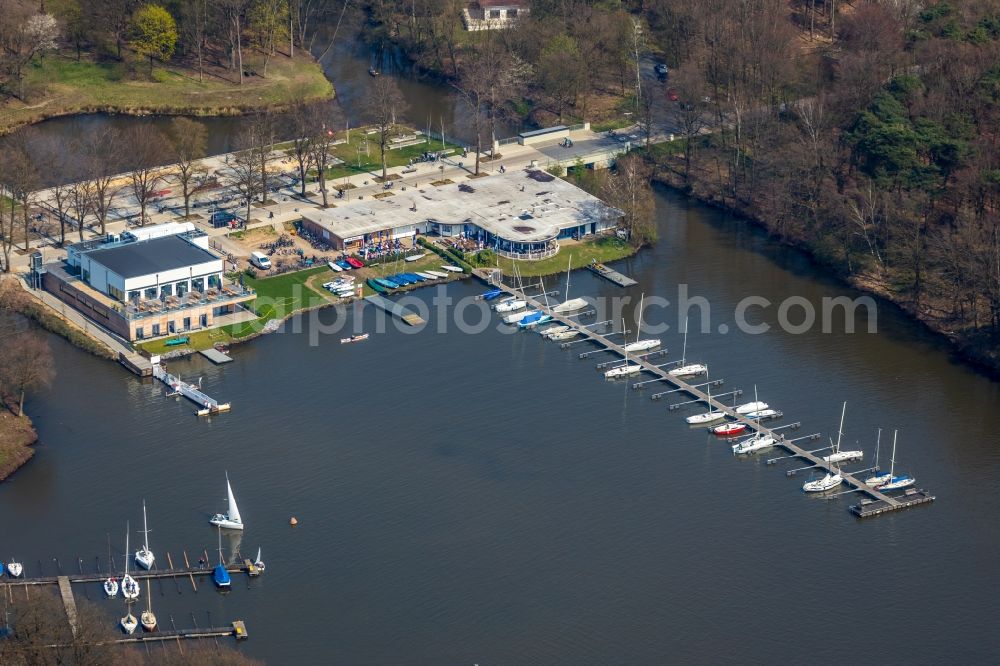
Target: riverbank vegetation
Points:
(200, 57)
(864, 133)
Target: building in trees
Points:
(492, 14)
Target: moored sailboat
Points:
(220, 576)
(837, 455)
(687, 369)
(891, 482)
(144, 556)
(147, 618)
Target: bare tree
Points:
(628, 190)
(51, 158)
(319, 150)
(304, 122)
(20, 179)
(384, 102)
(146, 153)
(233, 11)
(246, 167)
(81, 202)
(188, 141)
(103, 150)
(26, 364)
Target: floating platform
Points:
(396, 310)
(208, 405)
(215, 356)
(611, 274)
(874, 507)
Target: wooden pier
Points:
(64, 581)
(612, 275)
(875, 502)
(396, 310)
(208, 405)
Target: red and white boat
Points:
(727, 429)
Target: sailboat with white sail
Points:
(837, 455)
(144, 556)
(570, 304)
(890, 481)
(259, 563)
(628, 369)
(230, 520)
(685, 369)
(130, 588)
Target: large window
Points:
(182, 288)
(166, 290)
(198, 284)
(133, 295)
(214, 282)
(156, 330)
(187, 324)
(116, 293)
(139, 332)
(151, 293)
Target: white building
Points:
(492, 14)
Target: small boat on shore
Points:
(374, 284)
(355, 263)
(415, 277)
(401, 279)
(437, 274)
(452, 269)
(354, 338)
(388, 284)
(343, 265)
(334, 267)
(415, 257)
(426, 276)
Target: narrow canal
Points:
(490, 498)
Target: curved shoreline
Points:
(17, 439)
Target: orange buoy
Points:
(293, 521)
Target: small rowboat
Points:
(727, 429)
(426, 276)
(415, 257)
(437, 274)
(452, 269)
(334, 267)
(343, 265)
(354, 338)
(355, 263)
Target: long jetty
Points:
(874, 503)
(207, 404)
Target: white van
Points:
(260, 260)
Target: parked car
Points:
(661, 70)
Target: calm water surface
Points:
(491, 499)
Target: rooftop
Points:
(156, 255)
(519, 206)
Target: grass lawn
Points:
(607, 248)
(356, 149)
(59, 85)
(276, 297)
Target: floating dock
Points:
(396, 310)
(611, 274)
(207, 404)
(875, 502)
(215, 356)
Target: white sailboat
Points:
(710, 416)
(511, 306)
(829, 480)
(837, 455)
(147, 617)
(642, 345)
(130, 588)
(570, 304)
(758, 442)
(751, 407)
(879, 478)
(893, 482)
(518, 316)
(259, 563)
(684, 369)
(15, 569)
(128, 622)
(565, 335)
(144, 556)
(111, 587)
(231, 519)
(553, 330)
(628, 369)
(762, 414)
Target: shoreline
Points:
(73, 88)
(961, 346)
(17, 439)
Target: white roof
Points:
(519, 206)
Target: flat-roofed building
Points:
(147, 283)
(519, 214)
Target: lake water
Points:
(491, 499)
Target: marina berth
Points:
(744, 418)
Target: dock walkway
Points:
(396, 309)
(208, 405)
(611, 274)
(876, 503)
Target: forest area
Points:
(865, 132)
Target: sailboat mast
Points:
(684, 349)
(569, 262)
(840, 431)
(638, 318)
(892, 462)
(145, 528)
(878, 441)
